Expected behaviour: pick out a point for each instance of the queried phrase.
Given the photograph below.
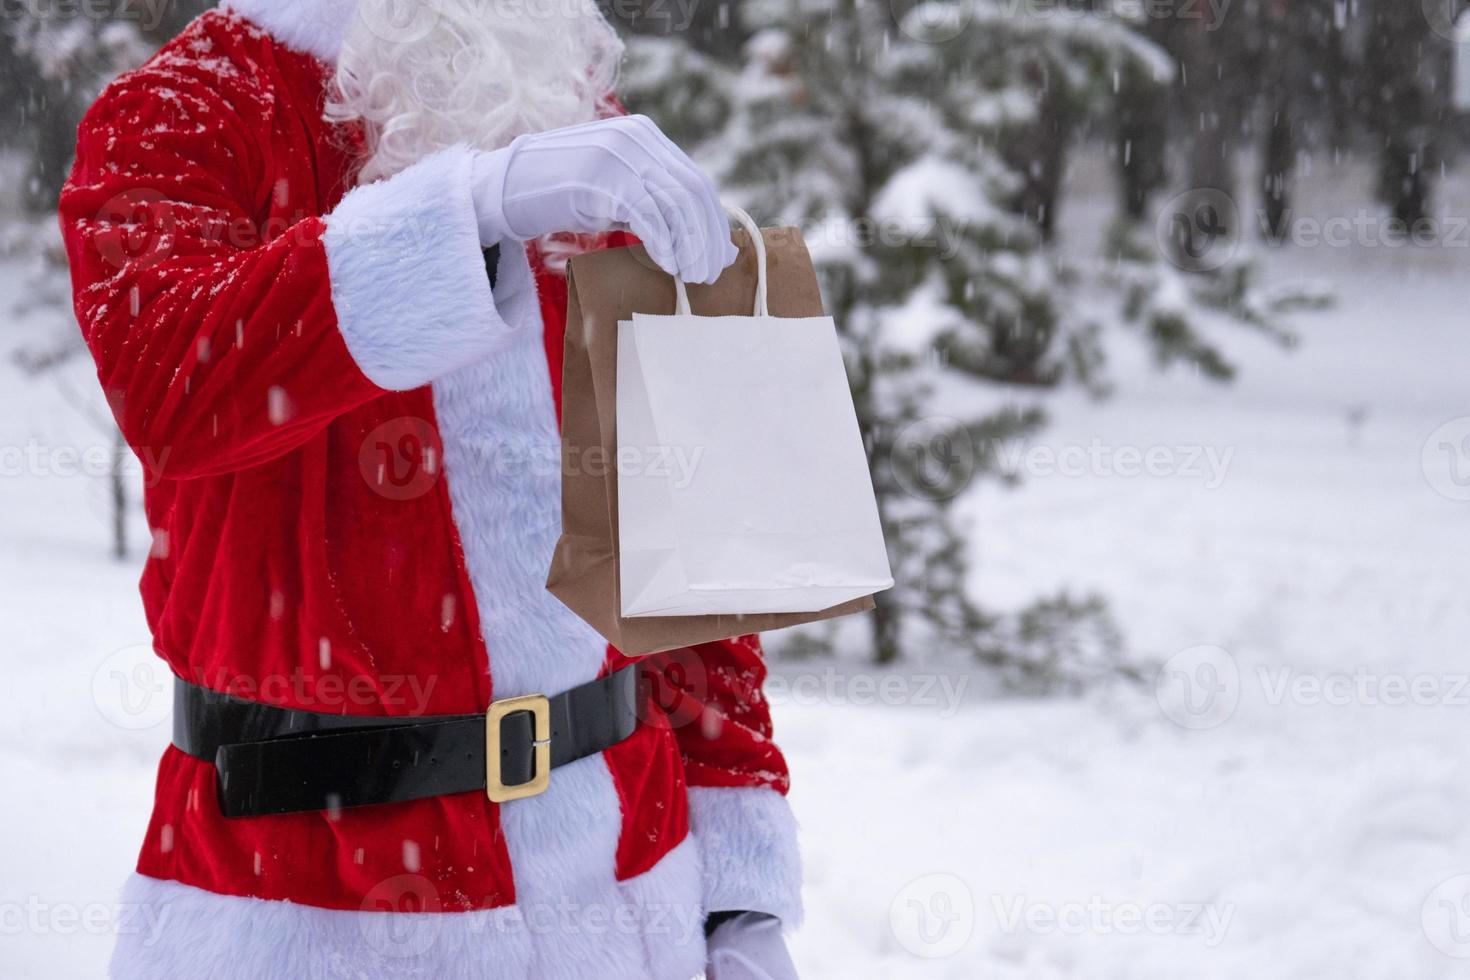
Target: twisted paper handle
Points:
(762, 308)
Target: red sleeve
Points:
(217, 350)
(714, 695)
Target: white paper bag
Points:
(743, 485)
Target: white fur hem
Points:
(647, 928)
(408, 276)
(747, 840)
(316, 27)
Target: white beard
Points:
(422, 75)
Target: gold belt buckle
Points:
(540, 707)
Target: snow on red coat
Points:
(353, 467)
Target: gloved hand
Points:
(749, 946)
(612, 174)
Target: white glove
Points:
(612, 174)
(749, 947)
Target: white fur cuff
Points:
(408, 276)
(747, 840)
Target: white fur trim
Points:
(408, 276)
(316, 27)
(747, 840)
(502, 461)
(642, 929)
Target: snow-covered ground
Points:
(1293, 801)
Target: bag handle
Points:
(762, 307)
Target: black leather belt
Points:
(281, 760)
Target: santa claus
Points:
(307, 245)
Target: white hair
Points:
(421, 75)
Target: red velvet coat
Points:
(344, 432)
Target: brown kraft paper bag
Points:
(606, 287)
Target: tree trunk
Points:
(1040, 154)
(1212, 164)
(1280, 160)
(1209, 99)
(1142, 111)
(119, 497)
(887, 615)
(55, 137)
(1407, 68)
(886, 623)
(1141, 144)
(1402, 183)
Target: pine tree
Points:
(880, 138)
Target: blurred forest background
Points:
(924, 148)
